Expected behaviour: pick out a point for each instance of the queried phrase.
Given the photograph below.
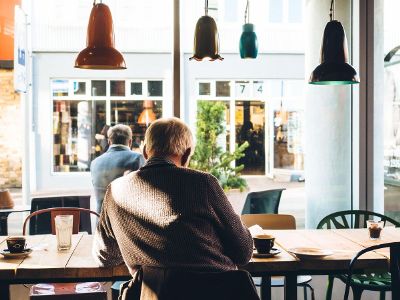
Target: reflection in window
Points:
(137, 114)
(250, 127)
(275, 11)
(204, 89)
(59, 87)
(79, 88)
(136, 88)
(223, 89)
(155, 88)
(99, 88)
(288, 135)
(75, 124)
(117, 88)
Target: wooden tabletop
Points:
(46, 263)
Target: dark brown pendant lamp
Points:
(100, 53)
(206, 40)
(334, 68)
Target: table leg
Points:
(291, 287)
(4, 291)
(4, 223)
(265, 289)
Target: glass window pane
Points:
(99, 88)
(242, 89)
(76, 129)
(137, 114)
(288, 135)
(213, 9)
(258, 89)
(204, 89)
(117, 88)
(295, 11)
(155, 88)
(293, 88)
(223, 89)
(136, 88)
(231, 11)
(250, 127)
(274, 88)
(79, 88)
(275, 11)
(59, 87)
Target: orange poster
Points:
(7, 28)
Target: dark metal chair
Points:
(380, 282)
(41, 225)
(264, 202)
(394, 268)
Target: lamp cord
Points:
(206, 7)
(247, 13)
(332, 10)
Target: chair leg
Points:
(357, 293)
(329, 288)
(382, 295)
(305, 292)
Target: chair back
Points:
(56, 211)
(41, 224)
(394, 267)
(353, 219)
(270, 221)
(264, 202)
(180, 284)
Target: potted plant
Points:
(209, 155)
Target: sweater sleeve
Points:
(105, 247)
(236, 238)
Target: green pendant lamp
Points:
(248, 44)
(206, 40)
(100, 53)
(334, 68)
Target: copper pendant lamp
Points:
(206, 40)
(334, 68)
(100, 53)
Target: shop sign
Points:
(20, 51)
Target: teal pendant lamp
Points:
(334, 68)
(206, 39)
(248, 45)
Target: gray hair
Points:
(119, 134)
(168, 136)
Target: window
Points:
(267, 114)
(81, 119)
(295, 13)
(276, 11)
(285, 11)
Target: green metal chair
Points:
(380, 282)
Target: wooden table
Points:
(344, 243)
(46, 264)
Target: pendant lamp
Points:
(206, 40)
(248, 45)
(100, 53)
(334, 68)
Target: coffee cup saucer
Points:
(272, 253)
(7, 254)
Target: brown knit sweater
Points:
(163, 215)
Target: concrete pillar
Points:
(327, 123)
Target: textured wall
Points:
(10, 133)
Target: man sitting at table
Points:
(115, 162)
(168, 215)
